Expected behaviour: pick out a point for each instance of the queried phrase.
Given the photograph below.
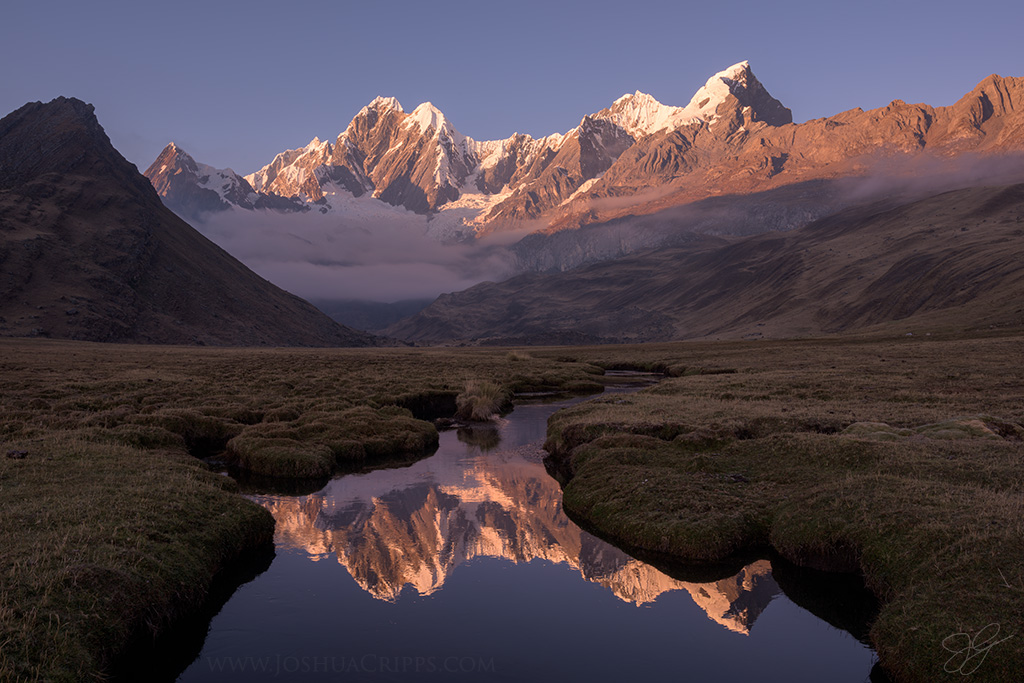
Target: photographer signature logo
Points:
(970, 651)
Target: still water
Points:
(463, 566)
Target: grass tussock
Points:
(901, 459)
(482, 400)
(315, 443)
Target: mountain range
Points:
(635, 157)
(721, 218)
(89, 252)
(718, 219)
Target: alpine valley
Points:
(806, 338)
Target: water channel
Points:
(463, 566)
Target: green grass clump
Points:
(316, 442)
(272, 456)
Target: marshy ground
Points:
(901, 458)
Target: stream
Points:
(463, 566)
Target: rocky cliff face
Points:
(88, 251)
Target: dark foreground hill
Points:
(87, 251)
(954, 260)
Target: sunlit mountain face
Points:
(395, 530)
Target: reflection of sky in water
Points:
(468, 554)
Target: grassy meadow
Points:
(112, 528)
(901, 458)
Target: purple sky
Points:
(236, 82)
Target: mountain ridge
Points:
(419, 160)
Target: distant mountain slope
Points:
(190, 189)
(88, 251)
(635, 157)
(955, 260)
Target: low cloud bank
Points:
(331, 257)
(393, 257)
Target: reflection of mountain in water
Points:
(413, 526)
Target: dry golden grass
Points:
(482, 400)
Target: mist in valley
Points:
(348, 265)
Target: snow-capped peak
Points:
(382, 104)
(706, 100)
(428, 116)
(172, 150)
(640, 114)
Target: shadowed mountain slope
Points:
(88, 251)
(954, 260)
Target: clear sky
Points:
(235, 82)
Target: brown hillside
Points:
(87, 251)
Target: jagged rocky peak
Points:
(192, 189)
(739, 83)
(172, 167)
(380, 103)
(378, 110)
(641, 114)
(172, 159)
(316, 145)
